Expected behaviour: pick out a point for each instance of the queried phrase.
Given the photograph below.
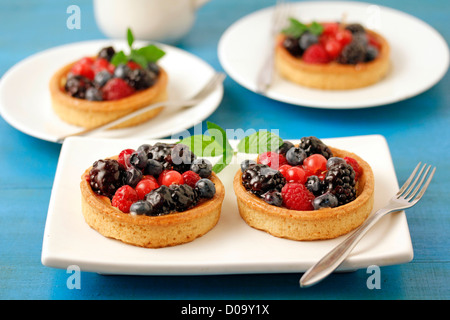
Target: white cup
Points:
(158, 20)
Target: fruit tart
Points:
(309, 191)
(155, 196)
(96, 90)
(334, 56)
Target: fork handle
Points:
(335, 257)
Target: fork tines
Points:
(408, 192)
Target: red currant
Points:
(190, 178)
(170, 177)
(330, 29)
(344, 37)
(284, 168)
(83, 67)
(145, 186)
(333, 48)
(296, 174)
(315, 163)
(272, 159)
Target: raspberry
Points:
(272, 159)
(83, 67)
(124, 197)
(190, 178)
(355, 166)
(316, 54)
(124, 157)
(116, 89)
(297, 197)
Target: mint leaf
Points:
(151, 52)
(139, 59)
(119, 58)
(259, 142)
(295, 29)
(315, 28)
(203, 145)
(130, 37)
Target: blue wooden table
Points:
(416, 129)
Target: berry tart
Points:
(155, 196)
(333, 56)
(93, 90)
(306, 192)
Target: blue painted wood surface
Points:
(416, 129)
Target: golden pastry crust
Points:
(320, 224)
(333, 75)
(150, 232)
(89, 114)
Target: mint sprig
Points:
(142, 56)
(296, 28)
(216, 143)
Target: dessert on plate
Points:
(155, 196)
(309, 191)
(98, 89)
(331, 55)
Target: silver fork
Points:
(265, 76)
(207, 89)
(406, 197)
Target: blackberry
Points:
(76, 86)
(355, 28)
(161, 201)
(273, 198)
(353, 53)
(184, 196)
(313, 145)
(159, 151)
(140, 79)
(292, 45)
(106, 176)
(153, 68)
(260, 178)
(180, 158)
(340, 181)
(107, 53)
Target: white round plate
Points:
(420, 56)
(25, 99)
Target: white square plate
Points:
(232, 246)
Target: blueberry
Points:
(132, 176)
(122, 71)
(246, 164)
(291, 44)
(313, 184)
(141, 207)
(93, 94)
(307, 39)
(202, 167)
(327, 200)
(153, 167)
(273, 197)
(107, 53)
(334, 161)
(139, 159)
(285, 147)
(371, 53)
(101, 78)
(205, 188)
(153, 68)
(295, 156)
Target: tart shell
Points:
(89, 114)
(150, 232)
(327, 223)
(333, 75)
